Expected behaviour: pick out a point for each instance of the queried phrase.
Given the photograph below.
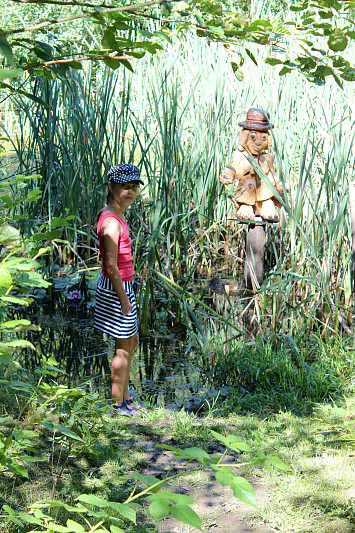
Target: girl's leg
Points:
(121, 364)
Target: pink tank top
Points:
(124, 253)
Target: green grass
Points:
(278, 373)
(316, 496)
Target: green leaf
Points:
(348, 74)
(347, 437)
(300, 7)
(196, 453)
(93, 500)
(9, 235)
(108, 40)
(6, 359)
(17, 469)
(30, 519)
(62, 429)
(325, 14)
(175, 497)
(252, 57)
(20, 385)
(159, 508)
(11, 325)
(185, 514)
(284, 70)
(74, 526)
(337, 41)
(21, 263)
(243, 490)
(60, 529)
(6, 50)
(10, 73)
(275, 461)
(5, 278)
(15, 520)
(273, 61)
(14, 300)
(48, 236)
(60, 221)
(115, 529)
(224, 476)
(233, 442)
(259, 24)
(21, 343)
(32, 279)
(21, 434)
(237, 71)
(9, 509)
(125, 510)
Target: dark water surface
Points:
(164, 368)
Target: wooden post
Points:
(352, 217)
(254, 255)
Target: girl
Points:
(115, 309)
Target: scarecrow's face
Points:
(255, 142)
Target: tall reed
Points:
(177, 118)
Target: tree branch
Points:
(74, 60)
(83, 16)
(61, 3)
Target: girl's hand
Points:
(126, 307)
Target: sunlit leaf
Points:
(14, 300)
(6, 50)
(237, 71)
(93, 500)
(9, 235)
(243, 490)
(115, 529)
(30, 519)
(21, 263)
(159, 508)
(185, 514)
(14, 324)
(252, 57)
(74, 526)
(32, 279)
(275, 461)
(17, 469)
(337, 41)
(5, 278)
(125, 510)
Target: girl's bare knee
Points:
(119, 362)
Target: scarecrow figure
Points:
(253, 196)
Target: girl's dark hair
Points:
(109, 197)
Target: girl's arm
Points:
(112, 230)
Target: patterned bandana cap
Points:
(124, 173)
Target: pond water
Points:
(165, 367)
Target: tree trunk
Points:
(254, 255)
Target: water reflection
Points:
(163, 371)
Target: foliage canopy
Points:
(314, 41)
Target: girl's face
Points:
(124, 193)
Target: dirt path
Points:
(216, 505)
(219, 510)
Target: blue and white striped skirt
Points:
(108, 316)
